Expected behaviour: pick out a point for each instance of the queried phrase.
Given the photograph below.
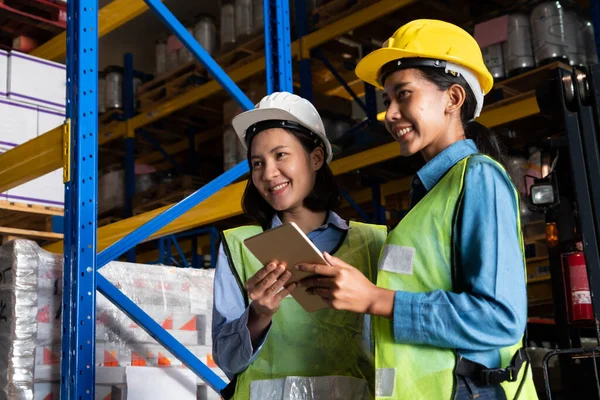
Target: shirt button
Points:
(417, 182)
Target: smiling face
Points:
(283, 171)
(420, 116)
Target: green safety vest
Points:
(418, 257)
(320, 353)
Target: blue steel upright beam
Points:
(304, 68)
(278, 51)
(79, 290)
(128, 113)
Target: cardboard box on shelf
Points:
(49, 119)
(36, 81)
(18, 123)
(3, 73)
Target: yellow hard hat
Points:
(429, 39)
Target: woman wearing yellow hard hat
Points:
(450, 303)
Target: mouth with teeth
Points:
(399, 132)
(279, 188)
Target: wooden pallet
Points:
(166, 193)
(337, 9)
(176, 82)
(523, 83)
(28, 221)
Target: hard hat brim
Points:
(368, 68)
(243, 121)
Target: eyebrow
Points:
(273, 150)
(397, 86)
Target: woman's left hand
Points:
(341, 285)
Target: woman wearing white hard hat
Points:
(450, 302)
(262, 338)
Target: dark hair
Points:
(325, 195)
(486, 140)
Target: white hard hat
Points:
(286, 110)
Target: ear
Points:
(317, 158)
(456, 97)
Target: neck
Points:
(306, 219)
(451, 136)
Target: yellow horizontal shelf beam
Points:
(358, 19)
(31, 159)
(26, 233)
(110, 17)
(512, 110)
(30, 208)
(223, 204)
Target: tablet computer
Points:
(287, 243)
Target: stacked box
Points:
(36, 81)
(30, 322)
(32, 102)
(3, 73)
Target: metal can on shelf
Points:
(114, 87)
(518, 48)
(161, 57)
(258, 12)
(552, 36)
(227, 28)
(101, 92)
(243, 20)
(172, 53)
(577, 49)
(205, 33)
(184, 55)
(494, 60)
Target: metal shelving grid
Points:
(81, 279)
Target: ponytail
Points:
(486, 140)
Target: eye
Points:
(403, 93)
(256, 164)
(280, 154)
(386, 103)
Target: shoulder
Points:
(482, 170)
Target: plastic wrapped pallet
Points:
(30, 321)
(20, 263)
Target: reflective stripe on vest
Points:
(321, 343)
(418, 257)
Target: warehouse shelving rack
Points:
(74, 147)
(81, 278)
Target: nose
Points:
(270, 171)
(392, 115)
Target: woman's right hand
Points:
(266, 289)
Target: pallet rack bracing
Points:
(81, 261)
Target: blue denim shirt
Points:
(492, 312)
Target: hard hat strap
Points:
(404, 63)
(450, 68)
(258, 127)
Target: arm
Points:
(232, 345)
(492, 311)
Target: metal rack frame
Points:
(81, 279)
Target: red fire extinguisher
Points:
(577, 287)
